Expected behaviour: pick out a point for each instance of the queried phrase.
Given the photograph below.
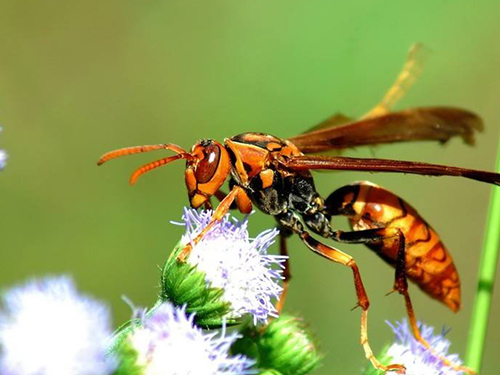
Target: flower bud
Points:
(270, 372)
(183, 284)
(285, 346)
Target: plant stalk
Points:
(486, 279)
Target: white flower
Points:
(47, 328)
(417, 359)
(3, 157)
(235, 263)
(167, 343)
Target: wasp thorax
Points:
(207, 171)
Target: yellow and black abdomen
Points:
(428, 262)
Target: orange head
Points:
(207, 166)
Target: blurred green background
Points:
(79, 78)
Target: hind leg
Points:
(293, 223)
(382, 236)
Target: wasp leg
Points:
(220, 195)
(242, 202)
(290, 221)
(284, 234)
(381, 235)
(338, 256)
(208, 204)
(218, 214)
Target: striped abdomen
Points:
(428, 263)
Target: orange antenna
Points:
(155, 164)
(139, 149)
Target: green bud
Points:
(127, 359)
(183, 284)
(270, 372)
(284, 347)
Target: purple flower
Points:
(417, 359)
(168, 343)
(236, 264)
(48, 328)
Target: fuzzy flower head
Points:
(168, 343)
(48, 328)
(3, 157)
(234, 264)
(417, 359)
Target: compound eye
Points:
(206, 168)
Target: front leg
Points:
(242, 203)
(237, 193)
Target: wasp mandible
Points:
(274, 175)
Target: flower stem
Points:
(482, 303)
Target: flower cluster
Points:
(418, 359)
(235, 264)
(47, 327)
(168, 339)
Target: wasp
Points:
(274, 174)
